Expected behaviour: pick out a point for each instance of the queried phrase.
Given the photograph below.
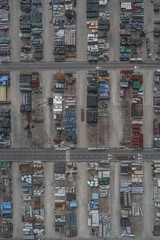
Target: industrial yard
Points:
(79, 119)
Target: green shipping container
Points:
(136, 85)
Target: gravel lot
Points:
(18, 120)
(82, 195)
(48, 31)
(148, 108)
(81, 36)
(115, 200)
(16, 199)
(114, 9)
(14, 30)
(47, 85)
(49, 200)
(148, 28)
(115, 119)
(81, 86)
(148, 201)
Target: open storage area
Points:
(4, 31)
(131, 87)
(156, 197)
(64, 20)
(131, 30)
(64, 109)
(66, 204)
(6, 211)
(98, 106)
(30, 24)
(32, 199)
(131, 196)
(98, 24)
(99, 199)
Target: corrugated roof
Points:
(3, 93)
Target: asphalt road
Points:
(16, 66)
(78, 155)
(124, 238)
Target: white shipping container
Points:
(100, 174)
(95, 220)
(89, 222)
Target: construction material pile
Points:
(132, 23)
(65, 198)
(32, 195)
(130, 186)
(64, 20)
(31, 31)
(98, 24)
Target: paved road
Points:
(75, 66)
(124, 238)
(79, 155)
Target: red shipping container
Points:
(135, 130)
(135, 126)
(135, 137)
(126, 71)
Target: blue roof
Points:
(94, 196)
(6, 205)
(73, 204)
(6, 211)
(5, 78)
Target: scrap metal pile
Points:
(4, 27)
(130, 78)
(98, 219)
(98, 26)
(64, 19)
(156, 102)
(31, 30)
(5, 128)
(29, 81)
(65, 110)
(32, 195)
(156, 196)
(6, 211)
(130, 185)
(98, 95)
(65, 199)
(132, 22)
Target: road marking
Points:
(84, 153)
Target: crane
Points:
(49, 102)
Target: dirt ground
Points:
(126, 116)
(49, 199)
(81, 93)
(148, 109)
(115, 200)
(17, 201)
(137, 222)
(148, 201)
(97, 137)
(82, 196)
